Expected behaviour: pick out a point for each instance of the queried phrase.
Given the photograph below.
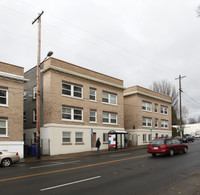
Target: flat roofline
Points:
(12, 65)
(148, 90)
(148, 95)
(84, 68)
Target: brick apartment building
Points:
(11, 108)
(74, 102)
(147, 115)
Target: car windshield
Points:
(157, 142)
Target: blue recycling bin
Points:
(33, 153)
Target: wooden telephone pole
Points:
(180, 91)
(38, 85)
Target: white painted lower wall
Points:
(53, 133)
(13, 146)
(136, 136)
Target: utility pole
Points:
(180, 91)
(38, 85)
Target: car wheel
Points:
(171, 152)
(6, 162)
(153, 155)
(185, 150)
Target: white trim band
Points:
(80, 75)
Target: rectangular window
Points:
(164, 124)
(109, 98)
(156, 123)
(144, 137)
(73, 114)
(66, 137)
(109, 118)
(77, 91)
(34, 92)
(24, 95)
(24, 116)
(93, 116)
(3, 127)
(105, 117)
(146, 122)
(164, 110)
(66, 89)
(146, 106)
(105, 137)
(150, 137)
(156, 108)
(3, 97)
(79, 137)
(34, 116)
(92, 94)
(72, 90)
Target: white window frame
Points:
(34, 92)
(34, 116)
(146, 121)
(150, 137)
(6, 97)
(164, 124)
(109, 96)
(95, 116)
(81, 137)
(164, 110)
(156, 123)
(110, 117)
(6, 127)
(144, 137)
(105, 137)
(72, 90)
(24, 95)
(66, 135)
(72, 114)
(93, 95)
(156, 108)
(146, 106)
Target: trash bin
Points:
(33, 153)
(29, 150)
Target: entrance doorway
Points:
(94, 140)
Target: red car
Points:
(166, 146)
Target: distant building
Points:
(193, 129)
(147, 115)
(77, 106)
(11, 108)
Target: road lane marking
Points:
(117, 155)
(69, 169)
(71, 183)
(56, 164)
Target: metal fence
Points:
(30, 147)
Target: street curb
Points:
(78, 155)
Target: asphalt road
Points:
(130, 172)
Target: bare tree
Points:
(166, 88)
(192, 121)
(198, 119)
(185, 113)
(169, 89)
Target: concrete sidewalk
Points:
(77, 155)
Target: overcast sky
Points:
(138, 41)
